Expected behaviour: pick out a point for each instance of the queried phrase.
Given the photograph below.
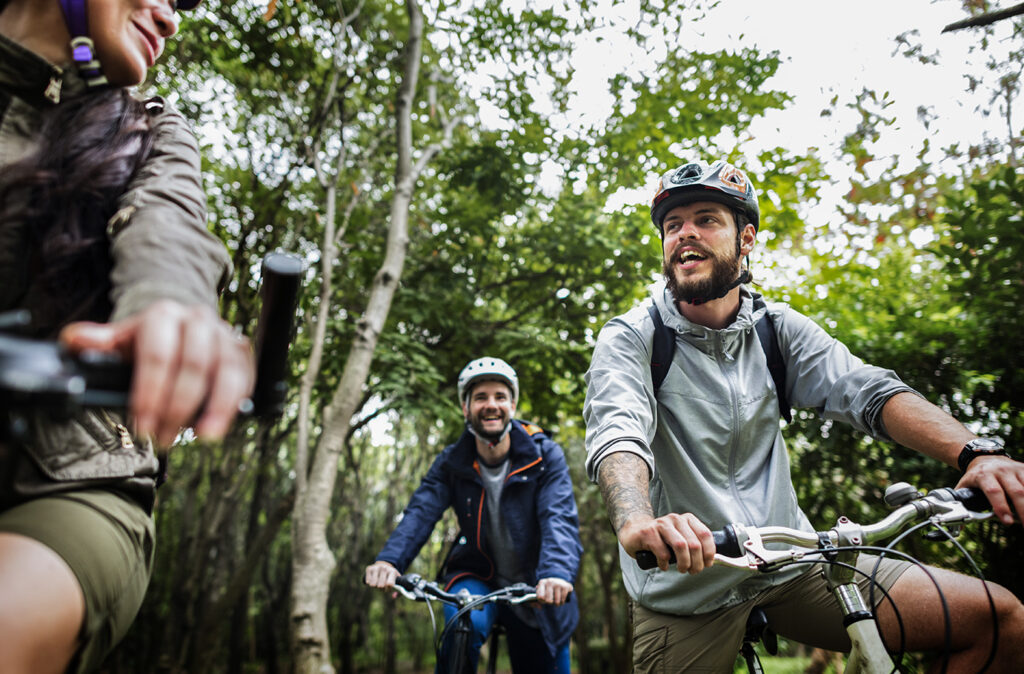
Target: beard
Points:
(724, 272)
(477, 426)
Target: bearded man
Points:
(704, 448)
(509, 486)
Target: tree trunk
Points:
(313, 561)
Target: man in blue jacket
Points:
(509, 485)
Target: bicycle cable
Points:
(988, 593)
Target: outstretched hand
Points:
(1002, 480)
(189, 365)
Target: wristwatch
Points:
(979, 447)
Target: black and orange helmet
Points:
(720, 182)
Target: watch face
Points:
(985, 445)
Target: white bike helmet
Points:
(487, 368)
(720, 182)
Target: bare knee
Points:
(41, 607)
(1010, 612)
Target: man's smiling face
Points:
(700, 249)
(489, 409)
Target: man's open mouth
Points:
(688, 256)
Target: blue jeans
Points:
(528, 652)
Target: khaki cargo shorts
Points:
(802, 609)
(107, 540)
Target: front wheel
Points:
(455, 652)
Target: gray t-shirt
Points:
(503, 550)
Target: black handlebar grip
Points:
(726, 544)
(406, 582)
(973, 499)
(282, 277)
(108, 378)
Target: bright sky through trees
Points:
(829, 50)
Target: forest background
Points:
(424, 158)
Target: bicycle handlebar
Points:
(413, 586)
(38, 374)
(282, 278)
(743, 547)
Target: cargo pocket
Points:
(649, 651)
(95, 445)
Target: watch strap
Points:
(970, 452)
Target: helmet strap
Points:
(83, 51)
(489, 439)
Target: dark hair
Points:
(65, 192)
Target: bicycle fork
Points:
(868, 652)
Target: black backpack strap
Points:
(663, 348)
(776, 366)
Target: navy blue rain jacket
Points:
(538, 507)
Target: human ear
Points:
(747, 239)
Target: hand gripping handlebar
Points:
(742, 546)
(42, 375)
(726, 544)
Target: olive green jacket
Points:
(160, 249)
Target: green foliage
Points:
(919, 270)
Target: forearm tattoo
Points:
(623, 481)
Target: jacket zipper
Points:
(479, 521)
(121, 430)
(720, 357)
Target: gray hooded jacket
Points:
(712, 438)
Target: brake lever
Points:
(757, 557)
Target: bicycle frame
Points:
(867, 652)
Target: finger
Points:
(674, 532)
(1011, 482)
(232, 379)
(84, 335)
(375, 577)
(157, 346)
(997, 499)
(690, 543)
(189, 380)
(707, 541)
(660, 544)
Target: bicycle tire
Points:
(457, 657)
